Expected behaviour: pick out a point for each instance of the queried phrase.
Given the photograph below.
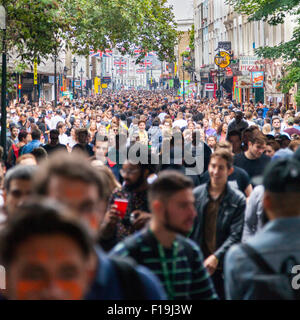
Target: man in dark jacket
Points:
(220, 216)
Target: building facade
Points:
(216, 22)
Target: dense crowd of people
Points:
(188, 200)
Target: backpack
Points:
(269, 284)
(130, 279)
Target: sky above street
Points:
(183, 9)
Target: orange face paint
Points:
(93, 222)
(75, 292)
(42, 256)
(27, 290)
(73, 192)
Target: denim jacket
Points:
(276, 242)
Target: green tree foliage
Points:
(275, 12)
(192, 38)
(36, 28)
(272, 11)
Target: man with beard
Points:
(135, 176)
(162, 247)
(75, 183)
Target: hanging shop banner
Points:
(225, 45)
(244, 82)
(222, 59)
(248, 63)
(96, 84)
(209, 87)
(35, 81)
(258, 79)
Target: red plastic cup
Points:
(121, 206)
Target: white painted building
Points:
(216, 21)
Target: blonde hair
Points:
(266, 129)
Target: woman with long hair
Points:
(93, 129)
(222, 132)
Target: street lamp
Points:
(74, 63)
(81, 75)
(91, 68)
(55, 81)
(3, 85)
(112, 78)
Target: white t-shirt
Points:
(162, 116)
(55, 120)
(179, 123)
(63, 139)
(71, 142)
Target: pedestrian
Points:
(261, 269)
(45, 254)
(72, 181)
(253, 161)
(220, 216)
(162, 246)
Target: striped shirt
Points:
(184, 276)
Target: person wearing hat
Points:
(259, 269)
(238, 123)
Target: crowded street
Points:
(137, 172)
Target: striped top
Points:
(179, 268)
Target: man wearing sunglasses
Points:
(135, 186)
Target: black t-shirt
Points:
(50, 149)
(252, 167)
(239, 179)
(85, 148)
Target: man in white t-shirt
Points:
(180, 122)
(63, 138)
(57, 118)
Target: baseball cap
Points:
(283, 153)
(282, 175)
(282, 136)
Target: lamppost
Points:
(3, 85)
(183, 83)
(55, 81)
(81, 75)
(112, 78)
(91, 68)
(74, 63)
